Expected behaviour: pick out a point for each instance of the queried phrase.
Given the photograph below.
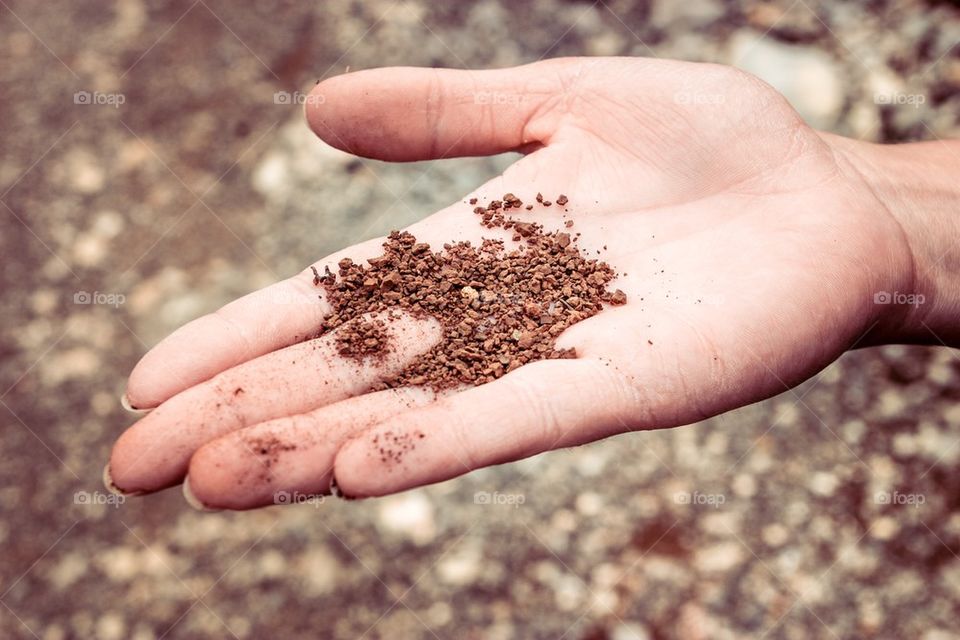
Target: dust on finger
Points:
(351, 360)
(290, 459)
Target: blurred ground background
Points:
(828, 512)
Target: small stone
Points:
(460, 567)
(589, 503)
(671, 15)
(111, 626)
(618, 298)
(806, 76)
(89, 249)
(952, 415)
(774, 535)
(272, 564)
(884, 528)
(905, 445)
(70, 568)
(409, 514)
(439, 614)
(719, 558)
(630, 631)
(69, 364)
(319, 570)
(853, 431)
(43, 301)
(891, 403)
(568, 592)
(85, 173)
(940, 373)
(744, 485)
(823, 483)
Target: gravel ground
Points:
(155, 165)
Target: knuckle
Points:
(536, 405)
(462, 447)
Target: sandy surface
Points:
(179, 181)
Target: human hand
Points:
(752, 250)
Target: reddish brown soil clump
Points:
(362, 338)
(499, 308)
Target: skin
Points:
(751, 248)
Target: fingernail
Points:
(125, 403)
(336, 491)
(113, 488)
(192, 499)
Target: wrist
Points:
(919, 185)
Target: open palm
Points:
(750, 251)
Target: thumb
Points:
(408, 113)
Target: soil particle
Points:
(361, 339)
(268, 448)
(499, 308)
(392, 446)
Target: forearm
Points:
(919, 183)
